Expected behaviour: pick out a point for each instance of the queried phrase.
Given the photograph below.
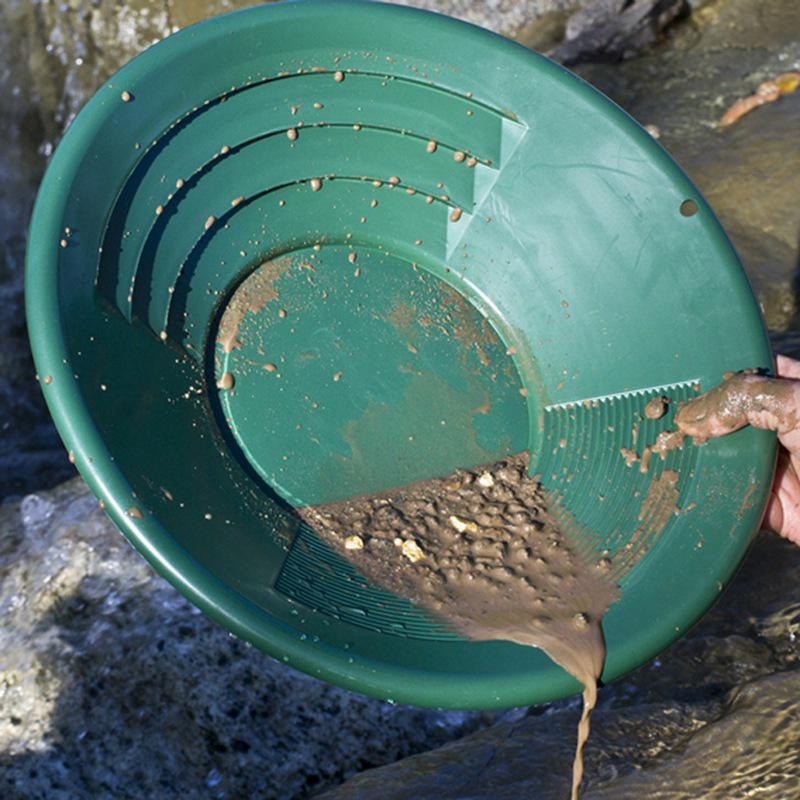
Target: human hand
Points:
(769, 403)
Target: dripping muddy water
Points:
(480, 549)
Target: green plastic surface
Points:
(548, 288)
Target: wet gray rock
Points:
(113, 685)
(610, 30)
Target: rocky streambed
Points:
(111, 685)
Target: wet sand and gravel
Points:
(481, 550)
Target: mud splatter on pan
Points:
(255, 292)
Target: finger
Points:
(787, 367)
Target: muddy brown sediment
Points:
(742, 399)
(480, 549)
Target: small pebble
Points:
(337, 376)
(459, 156)
(412, 551)
(291, 134)
(428, 199)
(353, 543)
(373, 203)
(338, 76)
(48, 379)
(64, 243)
(159, 210)
(210, 221)
(318, 105)
(456, 215)
(270, 367)
(431, 146)
(134, 512)
(163, 336)
(237, 201)
(472, 161)
(356, 127)
(486, 480)
(523, 391)
(394, 180)
(459, 524)
(126, 96)
(224, 150)
(179, 183)
(282, 313)
(316, 184)
(351, 257)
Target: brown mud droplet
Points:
(656, 408)
(134, 512)
(226, 381)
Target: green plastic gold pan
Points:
(313, 250)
